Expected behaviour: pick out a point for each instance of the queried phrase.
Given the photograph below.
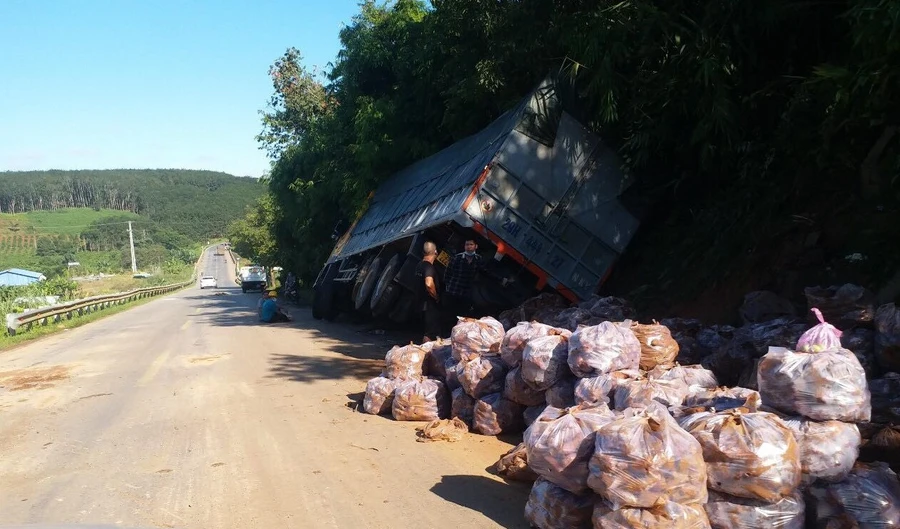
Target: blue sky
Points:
(91, 84)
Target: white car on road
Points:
(208, 282)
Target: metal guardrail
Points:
(24, 321)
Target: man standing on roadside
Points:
(458, 280)
(428, 293)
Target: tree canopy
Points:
(735, 115)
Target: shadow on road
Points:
(301, 368)
(502, 502)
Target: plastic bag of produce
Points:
(601, 388)
(532, 413)
(482, 375)
(379, 395)
(886, 398)
(562, 394)
(519, 392)
(846, 306)
(828, 449)
(437, 358)
(830, 385)
(642, 393)
(404, 362)
(513, 465)
(450, 430)
(692, 375)
(868, 498)
(572, 318)
(667, 516)
(452, 369)
(420, 400)
(822, 337)
(862, 342)
(658, 348)
(546, 302)
(603, 348)
(471, 338)
(731, 512)
(610, 308)
(750, 342)
(544, 361)
(887, 337)
(764, 305)
(518, 337)
(494, 415)
(645, 460)
(560, 443)
(722, 399)
(551, 507)
(750, 455)
(462, 406)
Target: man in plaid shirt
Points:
(458, 279)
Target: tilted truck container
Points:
(538, 191)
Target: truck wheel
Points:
(403, 308)
(357, 285)
(386, 290)
(373, 271)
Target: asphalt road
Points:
(185, 412)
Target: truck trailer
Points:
(539, 193)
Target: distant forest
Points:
(197, 204)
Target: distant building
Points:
(16, 277)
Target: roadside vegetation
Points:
(764, 133)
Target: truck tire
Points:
(359, 303)
(403, 308)
(372, 272)
(386, 290)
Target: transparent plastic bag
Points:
(532, 413)
(887, 337)
(846, 306)
(830, 385)
(482, 375)
(471, 338)
(609, 308)
(518, 337)
(690, 375)
(645, 460)
(494, 415)
(436, 359)
(513, 465)
(379, 395)
(562, 394)
(404, 362)
(519, 392)
(544, 361)
(560, 443)
(601, 388)
(731, 512)
(750, 455)
(462, 406)
(658, 348)
(868, 498)
(822, 337)
(828, 449)
(452, 369)
(642, 393)
(421, 400)
(722, 399)
(552, 507)
(603, 348)
(667, 516)
(572, 318)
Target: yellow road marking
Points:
(153, 369)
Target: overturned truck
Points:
(541, 195)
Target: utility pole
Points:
(131, 242)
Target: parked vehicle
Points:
(539, 192)
(253, 279)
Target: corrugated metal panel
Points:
(429, 192)
(15, 277)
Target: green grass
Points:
(67, 221)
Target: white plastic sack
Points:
(560, 443)
(830, 385)
(603, 348)
(691, 375)
(731, 512)
(482, 375)
(551, 507)
(518, 337)
(404, 362)
(642, 393)
(471, 338)
(668, 516)
(544, 361)
(601, 388)
(828, 449)
(379, 395)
